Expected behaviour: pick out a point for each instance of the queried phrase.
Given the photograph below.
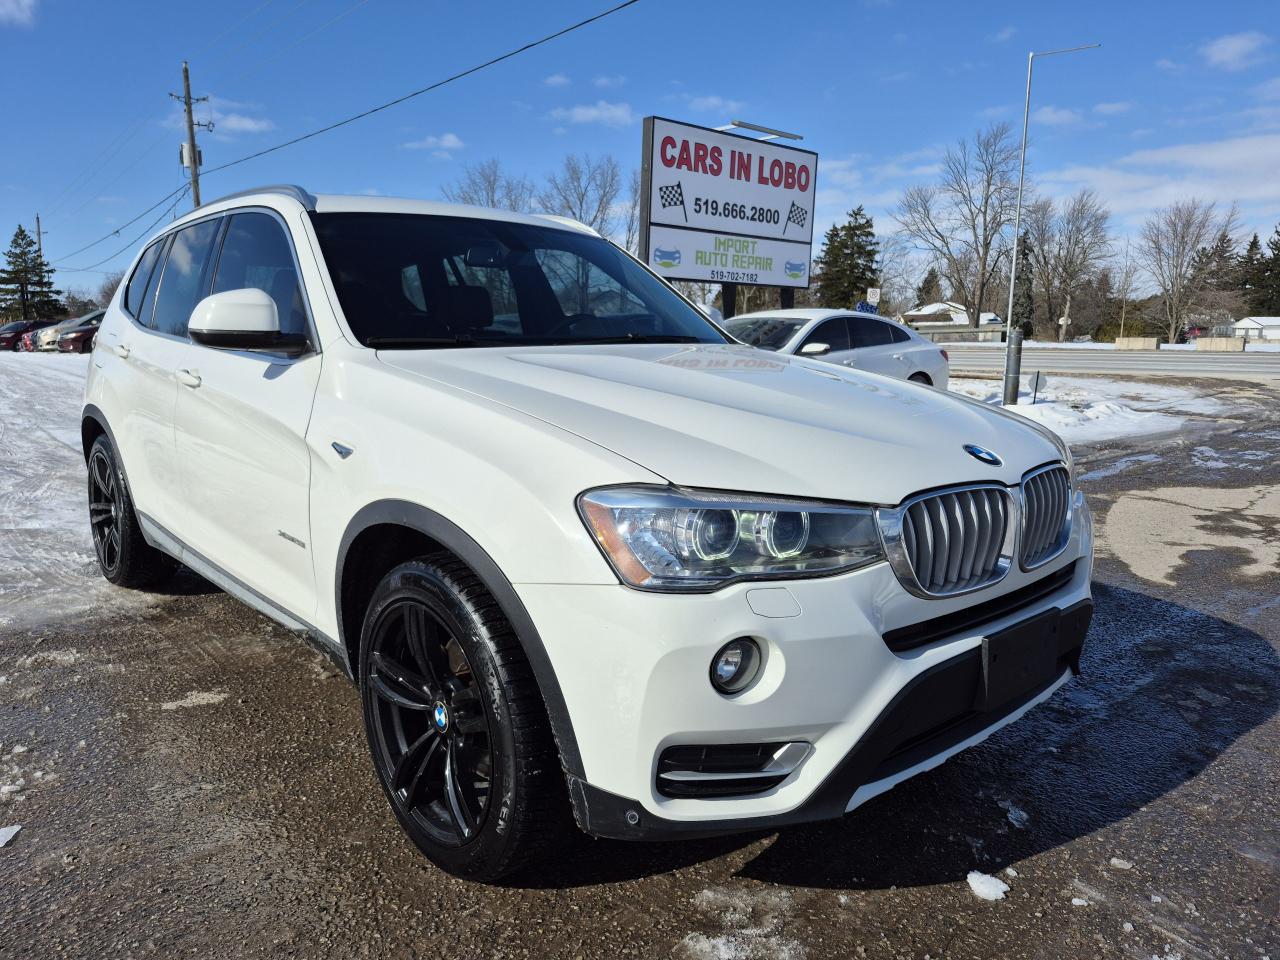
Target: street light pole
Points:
(1012, 351)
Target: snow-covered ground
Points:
(1251, 346)
(1090, 410)
(47, 564)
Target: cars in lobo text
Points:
(864, 341)
(582, 554)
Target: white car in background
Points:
(865, 341)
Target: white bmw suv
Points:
(581, 552)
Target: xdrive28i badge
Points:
(983, 454)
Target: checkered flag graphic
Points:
(673, 196)
(797, 215)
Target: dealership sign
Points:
(725, 208)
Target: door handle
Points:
(189, 378)
(898, 356)
(122, 351)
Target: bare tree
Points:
(107, 289)
(960, 221)
(586, 189)
(486, 184)
(631, 215)
(1068, 246)
(1168, 246)
(895, 268)
(1126, 275)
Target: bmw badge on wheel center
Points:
(585, 566)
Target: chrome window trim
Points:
(1064, 536)
(889, 522)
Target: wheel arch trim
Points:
(456, 540)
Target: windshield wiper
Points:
(642, 338)
(424, 343)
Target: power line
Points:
(427, 89)
(116, 231)
(363, 114)
(142, 236)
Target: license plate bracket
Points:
(1019, 659)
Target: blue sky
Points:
(1182, 99)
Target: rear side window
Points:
(898, 333)
(256, 253)
(832, 332)
(181, 286)
(864, 332)
(135, 292)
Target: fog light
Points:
(735, 665)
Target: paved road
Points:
(193, 781)
(977, 358)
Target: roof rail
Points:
(308, 200)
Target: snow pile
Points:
(8, 833)
(1090, 410)
(47, 563)
(987, 887)
(751, 921)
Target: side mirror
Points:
(815, 349)
(242, 320)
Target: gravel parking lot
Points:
(192, 780)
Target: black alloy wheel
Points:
(433, 739)
(456, 724)
(106, 510)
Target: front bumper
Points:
(633, 670)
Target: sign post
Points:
(723, 208)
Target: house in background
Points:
(948, 320)
(1257, 328)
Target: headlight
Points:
(666, 538)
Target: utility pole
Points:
(193, 152)
(39, 237)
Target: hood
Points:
(737, 418)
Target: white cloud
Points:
(1235, 51)
(715, 104)
(1269, 90)
(446, 141)
(20, 13)
(1170, 65)
(602, 112)
(556, 80)
(606, 82)
(1236, 169)
(240, 123)
(1003, 35)
(1111, 109)
(1055, 116)
(994, 113)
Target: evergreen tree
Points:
(1249, 271)
(930, 289)
(1267, 299)
(1215, 267)
(847, 265)
(1024, 304)
(26, 282)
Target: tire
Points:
(921, 378)
(434, 640)
(124, 556)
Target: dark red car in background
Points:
(11, 333)
(79, 339)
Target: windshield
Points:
(767, 333)
(13, 327)
(411, 281)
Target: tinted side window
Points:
(180, 283)
(256, 253)
(898, 334)
(864, 332)
(135, 292)
(832, 332)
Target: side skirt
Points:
(162, 539)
